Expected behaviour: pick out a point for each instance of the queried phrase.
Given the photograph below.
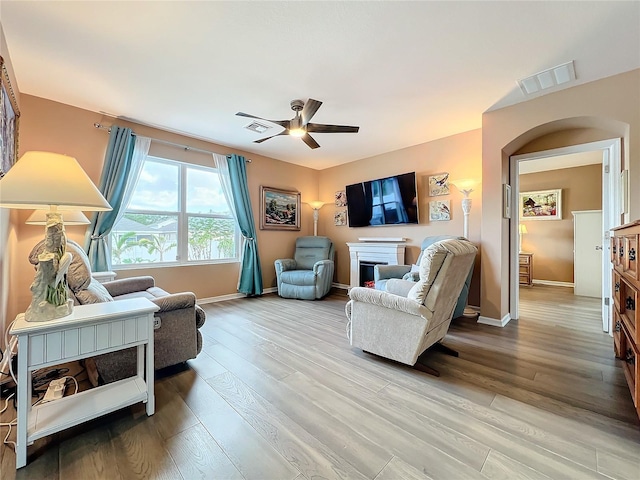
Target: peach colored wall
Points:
(551, 241)
(8, 223)
(610, 104)
(459, 155)
(60, 128)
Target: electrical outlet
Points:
(55, 390)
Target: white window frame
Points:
(183, 218)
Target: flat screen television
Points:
(385, 201)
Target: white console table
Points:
(89, 330)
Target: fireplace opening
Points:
(366, 273)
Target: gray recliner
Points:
(178, 337)
(383, 273)
(309, 274)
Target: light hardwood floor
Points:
(278, 393)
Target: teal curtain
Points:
(250, 282)
(113, 182)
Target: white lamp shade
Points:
(72, 217)
(316, 205)
(40, 180)
(465, 185)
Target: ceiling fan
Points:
(300, 125)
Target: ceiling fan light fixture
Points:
(297, 132)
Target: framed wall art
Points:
(541, 205)
(341, 198)
(439, 184)
(439, 210)
(279, 209)
(9, 119)
(340, 218)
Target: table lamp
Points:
(44, 180)
(316, 205)
(522, 230)
(73, 217)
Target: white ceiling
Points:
(405, 72)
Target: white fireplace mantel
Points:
(390, 253)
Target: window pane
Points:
(204, 193)
(139, 238)
(211, 238)
(157, 188)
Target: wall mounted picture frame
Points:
(340, 218)
(341, 198)
(279, 209)
(439, 210)
(541, 205)
(439, 184)
(9, 121)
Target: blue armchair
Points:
(309, 274)
(383, 273)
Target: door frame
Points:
(612, 212)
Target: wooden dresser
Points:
(525, 268)
(626, 284)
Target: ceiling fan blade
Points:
(308, 139)
(284, 132)
(282, 123)
(320, 128)
(309, 110)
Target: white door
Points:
(587, 253)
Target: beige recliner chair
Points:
(401, 327)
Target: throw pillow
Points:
(94, 293)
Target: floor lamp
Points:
(316, 206)
(466, 187)
(44, 180)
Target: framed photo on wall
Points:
(439, 184)
(279, 209)
(439, 210)
(541, 205)
(9, 118)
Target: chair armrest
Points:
(320, 265)
(175, 301)
(284, 264)
(129, 285)
(388, 300)
(380, 272)
(395, 286)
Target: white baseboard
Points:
(340, 285)
(552, 283)
(494, 322)
(231, 296)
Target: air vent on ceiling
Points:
(549, 78)
(257, 127)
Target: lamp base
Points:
(44, 311)
(49, 296)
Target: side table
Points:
(89, 330)
(525, 267)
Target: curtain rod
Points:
(99, 126)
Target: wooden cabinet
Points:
(626, 284)
(525, 268)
